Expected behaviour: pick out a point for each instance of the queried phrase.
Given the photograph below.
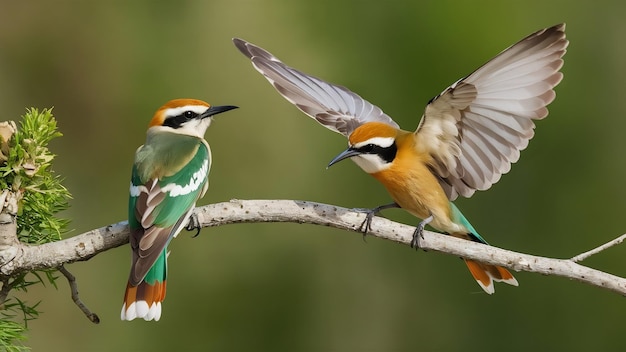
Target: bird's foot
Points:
(419, 232)
(193, 224)
(366, 225)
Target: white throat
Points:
(371, 163)
(195, 127)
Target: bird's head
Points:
(186, 116)
(372, 146)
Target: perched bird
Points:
(467, 138)
(169, 175)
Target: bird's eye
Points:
(189, 115)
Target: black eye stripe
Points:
(385, 153)
(179, 120)
(372, 149)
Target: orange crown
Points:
(159, 115)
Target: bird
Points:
(169, 174)
(467, 138)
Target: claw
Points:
(193, 224)
(366, 225)
(418, 233)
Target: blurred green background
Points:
(107, 66)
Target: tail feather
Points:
(486, 274)
(143, 301)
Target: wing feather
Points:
(333, 106)
(160, 209)
(477, 127)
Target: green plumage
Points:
(164, 154)
(459, 218)
(181, 164)
(158, 271)
(173, 159)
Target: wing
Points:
(160, 208)
(335, 107)
(477, 127)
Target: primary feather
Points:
(333, 106)
(477, 127)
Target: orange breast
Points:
(413, 186)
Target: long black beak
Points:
(214, 110)
(348, 153)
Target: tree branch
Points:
(583, 256)
(71, 280)
(87, 245)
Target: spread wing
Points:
(477, 127)
(335, 107)
(160, 208)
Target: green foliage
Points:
(10, 332)
(27, 172)
(26, 177)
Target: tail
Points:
(144, 300)
(484, 274)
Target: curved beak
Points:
(348, 153)
(214, 110)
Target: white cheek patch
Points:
(384, 142)
(195, 127)
(371, 163)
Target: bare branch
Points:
(7, 286)
(85, 246)
(54, 254)
(598, 249)
(71, 280)
(242, 211)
